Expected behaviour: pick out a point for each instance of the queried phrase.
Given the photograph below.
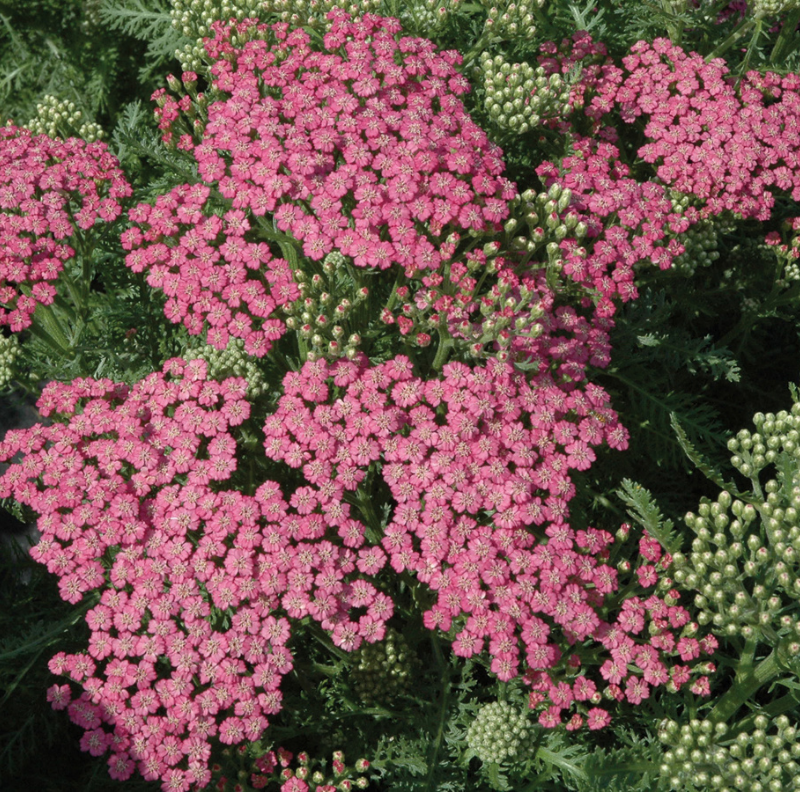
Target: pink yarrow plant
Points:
(360, 147)
(50, 190)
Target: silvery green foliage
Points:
(498, 733)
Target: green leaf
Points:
(697, 458)
(643, 509)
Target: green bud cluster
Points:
(9, 352)
(771, 8)
(501, 329)
(344, 777)
(427, 16)
(232, 362)
(62, 119)
(709, 757)
(511, 20)
(744, 562)
(324, 313)
(383, 670)
(313, 13)
(91, 15)
(791, 271)
(701, 241)
(548, 218)
(193, 18)
(499, 732)
(517, 97)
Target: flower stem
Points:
(445, 693)
(445, 344)
(734, 37)
(747, 682)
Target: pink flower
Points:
(636, 690)
(688, 648)
(59, 696)
(597, 718)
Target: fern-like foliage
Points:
(644, 510)
(631, 766)
(149, 21)
(713, 473)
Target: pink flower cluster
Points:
(728, 146)
(647, 632)
(199, 257)
(473, 462)
(47, 187)
(628, 222)
(133, 478)
(352, 147)
(363, 148)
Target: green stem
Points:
(787, 31)
(445, 693)
(747, 682)
(734, 37)
(445, 344)
(752, 46)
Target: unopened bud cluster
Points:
(193, 18)
(232, 362)
(427, 16)
(383, 670)
(771, 8)
(322, 315)
(9, 352)
(518, 97)
(744, 560)
(291, 772)
(740, 574)
(774, 434)
(708, 757)
(787, 253)
(313, 13)
(510, 20)
(549, 218)
(91, 15)
(62, 119)
(499, 732)
(700, 241)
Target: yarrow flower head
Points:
(50, 190)
(362, 147)
(130, 501)
(477, 469)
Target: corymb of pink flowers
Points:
(362, 147)
(134, 475)
(49, 191)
